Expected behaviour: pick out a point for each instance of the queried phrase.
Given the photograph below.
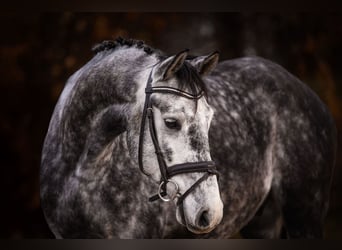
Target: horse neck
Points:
(104, 88)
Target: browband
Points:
(171, 90)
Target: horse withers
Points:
(186, 124)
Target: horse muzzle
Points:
(202, 221)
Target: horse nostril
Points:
(203, 220)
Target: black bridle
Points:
(207, 167)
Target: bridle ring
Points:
(160, 190)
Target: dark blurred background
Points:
(39, 51)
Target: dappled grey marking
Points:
(167, 152)
(271, 137)
(196, 140)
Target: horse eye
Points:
(172, 123)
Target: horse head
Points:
(173, 139)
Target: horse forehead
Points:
(200, 113)
(174, 104)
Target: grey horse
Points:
(254, 148)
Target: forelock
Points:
(189, 79)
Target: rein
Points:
(207, 167)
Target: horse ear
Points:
(205, 64)
(171, 65)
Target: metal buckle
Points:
(160, 190)
(149, 112)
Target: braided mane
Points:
(120, 42)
